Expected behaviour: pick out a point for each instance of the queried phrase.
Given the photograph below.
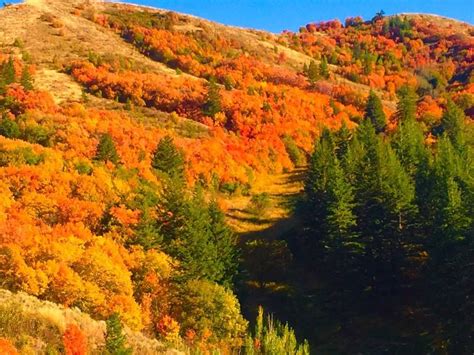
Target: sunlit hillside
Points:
(162, 176)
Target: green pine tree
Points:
(106, 150)
(374, 112)
(115, 341)
(453, 123)
(313, 73)
(225, 241)
(8, 72)
(212, 105)
(324, 68)
(408, 142)
(343, 138)
(406, 106)
(26, 80)
(168, 159)
(316, 188)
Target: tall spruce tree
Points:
(453, 124)
(341, 241)
(408, 142)
(374, 112)
(225, 241)
(451, 245)
(168, 159)
(195, 234)
(406, 106)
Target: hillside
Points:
(177, 173)
(39, 326)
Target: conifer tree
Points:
(26, 80)
(8, 72)
(374, 112)
(340, 217)
(342, 137)
(452, 123)
(324, 68)
(408, 142)
(106, 150)
(316, 186)
(406, 106)
(114, 338)
(168, 159)
(313, 73)
(225, 242)
(212, 104)
(195, 234)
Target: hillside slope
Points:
(35, 326)
(148, 159)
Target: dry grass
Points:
(36, 327)
(282, 190)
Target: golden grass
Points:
(282, 190)
(36, 327)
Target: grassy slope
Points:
(36, 326)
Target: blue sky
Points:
(277, 15)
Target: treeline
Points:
(389, 215)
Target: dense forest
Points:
(138, 154)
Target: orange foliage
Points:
(75, 342)
(7, 348)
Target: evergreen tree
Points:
(106, 150)
(316, 186)
(8, 72)
(195, 234)
(452, 123)
(225, 242)
(324, 68)
(168, 159)
(451, 245)
(408, 142)
(406, 106)
(26, 80)
(115, 339)
(313, 73)
(374, 112)
(342, 241)
(342, 137)
(212, 104)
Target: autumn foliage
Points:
(84, 216)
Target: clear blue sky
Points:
(277, 15)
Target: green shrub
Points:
(272, 337)
(295, 154)
(83, 168)
(259, 204)
(20, 156)
(206, 306)
(9, 128)
(38, 135)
